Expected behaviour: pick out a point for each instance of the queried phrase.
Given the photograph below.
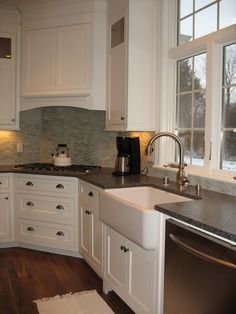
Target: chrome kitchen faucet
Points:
(181, 179)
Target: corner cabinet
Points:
(47, 212)
(91, 228)
(56, 61)
(131, 65)
(130, 271)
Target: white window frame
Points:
(212, 44)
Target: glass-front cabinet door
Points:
(7, 81)
(5, 48)
(117, 73)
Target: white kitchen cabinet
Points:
(4, 217)
(91, 228)
(9, 69)
(116, 260)
(48, 235)
(130, 65)
(46, 209)
(6, 209)
(56, 61)
(130, 272)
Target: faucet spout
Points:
(181, 179)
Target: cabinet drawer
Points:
(45, 208)
(89, 196)
(39, 185)
(4, 182)
(45, 234)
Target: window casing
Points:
(211, 45)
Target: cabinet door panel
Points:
(89, 196)
(141, 274)
(8, 84)
(117, 87)
(40, 60)
(45, 208)
(96, 247)
(85, 227)
(4, 183)
(35, 185)
(116, 264)
(45, 234)
(73, 57)
(4, 217)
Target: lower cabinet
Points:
(6, 209)
(130, 272)
(4, 217)
(91, 228)
(46, 234)
(46, 209)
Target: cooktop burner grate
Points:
(52, 167)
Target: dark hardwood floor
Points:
(27, 275)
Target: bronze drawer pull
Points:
(60, 233)
(30, 203)
(123, 248)
(88, 212)
(0, 182)
(6, 198)
(30, 229)
(29, 183)
(60, 207)
(90, 194)
(122, 118)
(60, 186)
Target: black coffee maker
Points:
(128, 156)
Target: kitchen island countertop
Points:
(214, 212)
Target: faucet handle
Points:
(166, 181)
(198, 190)
(186, 180)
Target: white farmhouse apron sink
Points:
(130, 211)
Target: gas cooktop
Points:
(81, 169)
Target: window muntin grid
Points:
(228, 124)
(197, 18)
(190, 109)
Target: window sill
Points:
(218, 175)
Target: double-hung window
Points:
(204, 52)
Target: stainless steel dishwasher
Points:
(200, 272)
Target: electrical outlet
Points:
(19, 147)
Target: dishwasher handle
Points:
(200, 254)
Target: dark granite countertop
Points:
(214, 212)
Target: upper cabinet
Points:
(131, 69)
(56, 61)
(63, 60)
(9, 50)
